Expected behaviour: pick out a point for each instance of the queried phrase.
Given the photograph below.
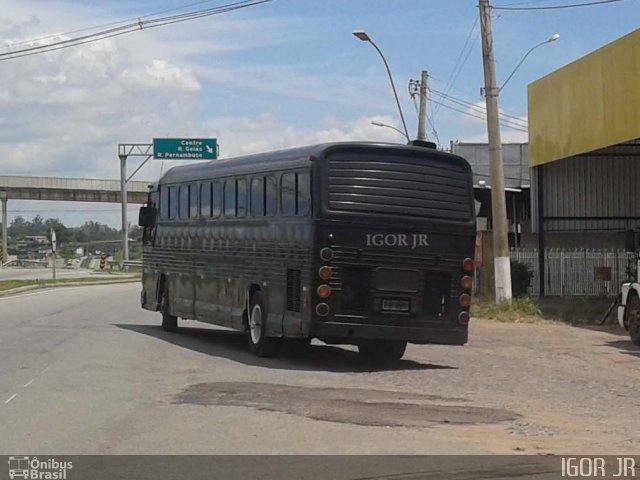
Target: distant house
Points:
(33, 247)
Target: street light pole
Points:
(362, 35)
(552, 38)
(502, 267)
(380, 124)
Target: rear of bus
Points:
(393, 248)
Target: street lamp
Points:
(552, 38)
(380, 124)
(362, 35)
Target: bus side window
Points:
(304, 194)
(257, 196)
(270, 196)
(229, 197)
(183, 202)
(288, 194)
(205, 199)
(173, 202)
(216, 200)
(193, 201)
(164, 203)
(241, 197)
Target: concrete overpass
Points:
(65, 190)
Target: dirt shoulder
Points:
(574, 388)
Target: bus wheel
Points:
(169, 322)
(259, 343)
(382, 351)
(633, 319)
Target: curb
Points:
(27, 288)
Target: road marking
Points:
(34, 378)
(10, 398)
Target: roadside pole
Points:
(422, 114)
(53, 251)
(502, 266)
(123, 200)
(3, 200)
(126, 150)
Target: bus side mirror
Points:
(147, 217)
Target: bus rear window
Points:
(408, 186)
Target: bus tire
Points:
(169, 322)
(382, 351)
(259, 343)
(633, 318)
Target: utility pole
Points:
(422, 114)
(501, 263)
(5, 219)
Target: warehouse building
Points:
(584, 147)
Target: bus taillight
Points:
(326, 254)
(465, 300)
(324, 291)
(322, 309)
(467, 265)
(324, 273)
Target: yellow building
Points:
(584, 150)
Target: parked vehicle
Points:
(629, 309)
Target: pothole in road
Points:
(343, 405)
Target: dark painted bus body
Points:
(357, 243)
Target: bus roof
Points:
(274, 160)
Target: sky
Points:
(281, 74)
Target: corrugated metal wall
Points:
(603, 184)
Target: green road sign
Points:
(185, 148)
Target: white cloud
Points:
(161, 75)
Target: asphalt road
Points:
(83, 370)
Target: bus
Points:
(366, 244)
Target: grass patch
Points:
(6, 285)
(519, 310)
(572, 310)
(576, 310)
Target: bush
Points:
(521, 276)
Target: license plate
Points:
(393, 305)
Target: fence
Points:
(580, 272)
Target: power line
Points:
(457, 68)
(478, 107)
(472, 102)
(512, 119)
(86, 29)
(557, 7)
(527, 2)
(130, 28)
(479, 116)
